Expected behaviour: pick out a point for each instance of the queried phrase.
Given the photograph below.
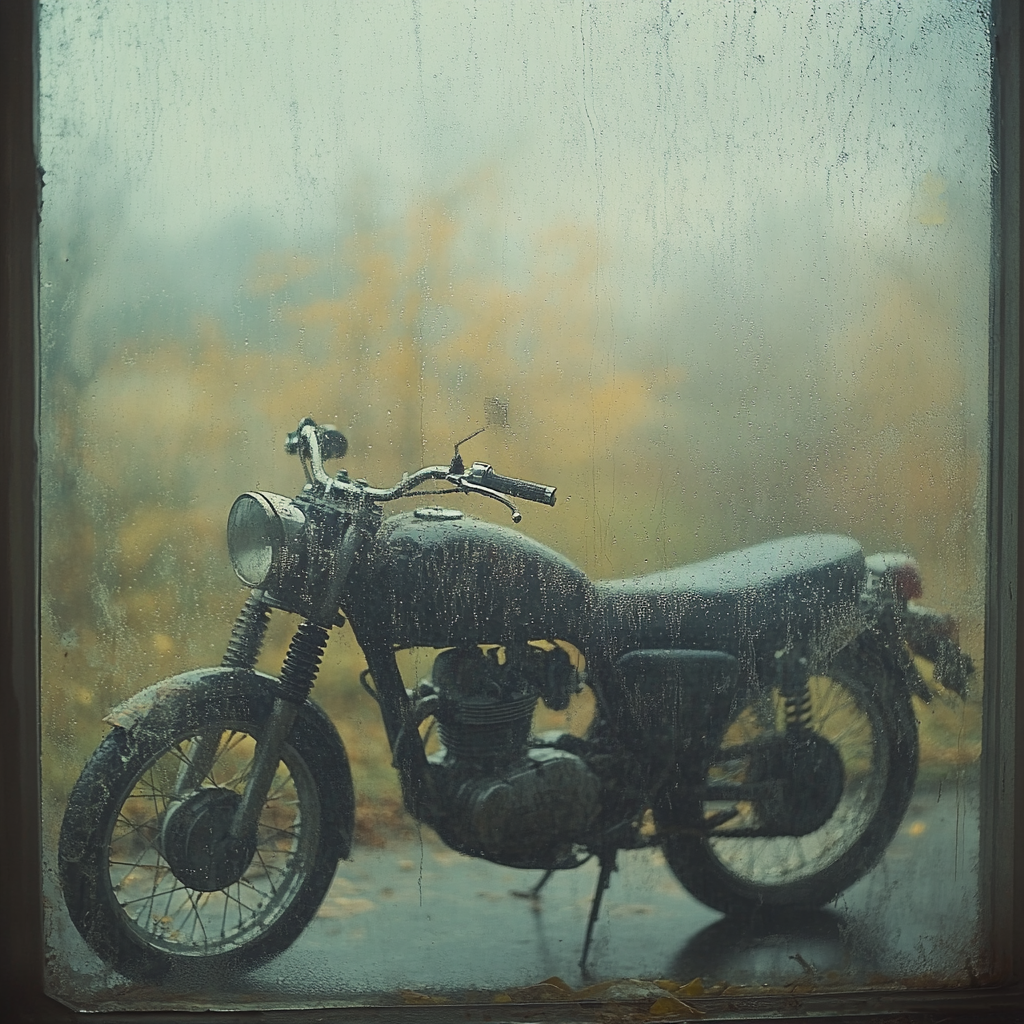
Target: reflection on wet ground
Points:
(414, 916)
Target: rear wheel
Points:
(792, 818)
(150, 874)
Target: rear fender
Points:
(934, 636)
(893, 581)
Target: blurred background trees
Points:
(398, 335)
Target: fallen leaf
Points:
(344, 906)
(543, 993)
(420, 998)
(594, 991)
(558, 983)
(630, 909)
(676, 1007)
(342, 884)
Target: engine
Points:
(507, 796)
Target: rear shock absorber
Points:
(794, 685)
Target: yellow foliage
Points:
(402, 352)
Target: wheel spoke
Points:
(280, 831)
(777, 859)
(198, 921)
(266, 871)
(135, 830)
(224, 920)
(167, 913)
(819, 814)
(165, 892)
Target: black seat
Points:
(748, 603)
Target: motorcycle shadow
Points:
(779, 948)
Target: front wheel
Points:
(143, 866)
(780, 817)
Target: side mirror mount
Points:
(495, 415)
(330, 440)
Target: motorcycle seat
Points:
(749, 603)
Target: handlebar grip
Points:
(515, 488)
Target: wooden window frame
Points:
(1002, 809)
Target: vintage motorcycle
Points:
(753, 719)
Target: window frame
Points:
(1002, 782)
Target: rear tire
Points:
(120, 889)
(869, 722)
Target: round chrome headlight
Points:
(260, 526)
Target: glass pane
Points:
(719, 275)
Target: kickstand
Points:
(607, 867)
(534, 893)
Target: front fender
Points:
(145, 717)
(130, 712)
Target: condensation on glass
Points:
(717, 274)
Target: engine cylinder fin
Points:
(486, 731)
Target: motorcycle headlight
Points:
(260, 528)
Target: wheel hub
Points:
(803, 776)
(197, 842)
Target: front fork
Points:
(295, 684)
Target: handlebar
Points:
(308, 442)
(482, 474)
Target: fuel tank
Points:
(438, 578)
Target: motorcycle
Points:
(753, 719)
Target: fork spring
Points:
(248, 633)
(302, 662)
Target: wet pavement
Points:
(415, 916)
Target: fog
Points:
(728, 264)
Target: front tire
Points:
(119, 886)
(736, 857)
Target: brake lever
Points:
(464, 485)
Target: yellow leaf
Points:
(420, 998)
(594, 991)
(557, 982)
(670, 1005)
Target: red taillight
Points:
(906, 581)
(898, 574)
